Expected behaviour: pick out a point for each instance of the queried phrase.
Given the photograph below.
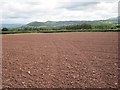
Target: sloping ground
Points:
(60, 60)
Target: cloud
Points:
(78, 5)
(25, 11)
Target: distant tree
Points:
(78, 26)
(86, 26)
(4, 29)
(118, 26)
(104, 26)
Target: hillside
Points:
(57, 24)
(66, 23)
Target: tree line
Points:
(68, 27)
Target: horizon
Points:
(58, 21)
(24, 12)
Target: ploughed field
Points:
(45, 60)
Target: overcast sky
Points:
(25, 11)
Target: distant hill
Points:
(65, 23)
(11, 25)
(113, 20)
(53, 23)
(50, 24)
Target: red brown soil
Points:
(67, 60)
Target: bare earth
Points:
(82, 59)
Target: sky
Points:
(25, 11)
